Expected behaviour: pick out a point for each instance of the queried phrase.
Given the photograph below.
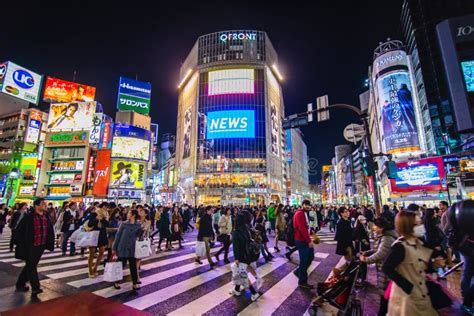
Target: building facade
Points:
(298, 167)
(230, 147)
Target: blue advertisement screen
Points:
(231, 124)
(468, 73)
(126, 130)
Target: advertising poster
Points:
(398, 113)
(102, 173)
(28, 168)
(134, 95)
(94, 136)
(187, 133)
(231, 124)
(106, 135)
(57, 90)
(419, 175)
(71, 116)
(289, 147)
(67, 138)
(21, 83)
(231, 81)
(131, 142)
(127, 174)
(274, 127)
(33, 131)
(468, 74)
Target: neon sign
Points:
(238, 36)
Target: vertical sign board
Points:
(102, 173)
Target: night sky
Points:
(323, 48)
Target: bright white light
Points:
(185, 78)
(231, 81)
(275, 69)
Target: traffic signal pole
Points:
(301, 119)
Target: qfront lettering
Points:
(133, 103)
(231, 123)
(238, 37)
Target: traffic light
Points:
(293, 121)
(391, 169)
(368, 164)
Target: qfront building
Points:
(230, 146)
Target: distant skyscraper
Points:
(418, 22)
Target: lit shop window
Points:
(231, 81)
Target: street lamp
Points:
(14, 174)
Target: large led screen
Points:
(71, 116)
(129, 147)
(398, 113)
(419, 175)
(231, 81)
(231, 124)
(468, 73)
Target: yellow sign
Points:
(327, 168)
(467, 165)
(127, 174)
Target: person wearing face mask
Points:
(406, 265)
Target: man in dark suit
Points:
(34, 235)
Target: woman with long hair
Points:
(115, 220)
(177, 226)
(98, 220)
(280, 224)
(165, 233)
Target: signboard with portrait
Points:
(419, 175)
(134, 95)
(127, 174)
(71, 116)
(21, 83)
(57, 90)
(187, 133)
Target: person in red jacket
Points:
(303, 243)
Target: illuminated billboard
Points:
(57, 90)
(21, 83)
(33, 131)
(102, 173)
(127, 174)
(398, 113)
(468, 74)
(106, 135)
(131, 142)
(231, 124)
(71, 116)
(94, 135)
(231, 81)
(419, 175)
(134, 95)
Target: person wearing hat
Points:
(124, 173)
(362, 242)
(98, 220)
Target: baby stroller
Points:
(338, 292)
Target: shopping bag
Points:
(200, 249)
(113, 272)
(268, 225)
(74, 235)
(239, 274)
(87, 239)
(142, 248)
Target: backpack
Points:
(290, 233)
(252, 249)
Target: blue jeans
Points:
(306, 257)
(68, 234)
(466, 278)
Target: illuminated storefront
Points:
(229, 144)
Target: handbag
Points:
(74, 235)
(87, 239)
(439, 296)
(113, 272)
(200, 249)
(142, 248)
(268, 225)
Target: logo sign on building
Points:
(57, 90)
(127, 174)
(94, 136)
(419, 175)
(71, 116)
(102, 173)
(21, 83)
(134, 95)
(237, 36)
(231, 124)
(33, 131)
(67, 138)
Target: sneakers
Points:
(259, 283)
(234, 292)
(255, 296)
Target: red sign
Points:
(57, 90)
(102, 173)
(370, 182)
(420, 175)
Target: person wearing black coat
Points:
(362, 243)
(206, 233)
(35, 234)
(433, 236)
(343, 234)
(16, 217)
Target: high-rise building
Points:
(229, 144)
(298, 166)
(418, 22)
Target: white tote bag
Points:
(142, 248)
(74, 235)
(200, 249)
(87, 239)
(239, 274)
(113, 272)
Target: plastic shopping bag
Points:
(200, 249)
(113, 272)
(239, 274)
(74, 235)
(87, 239)
(142, 248)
